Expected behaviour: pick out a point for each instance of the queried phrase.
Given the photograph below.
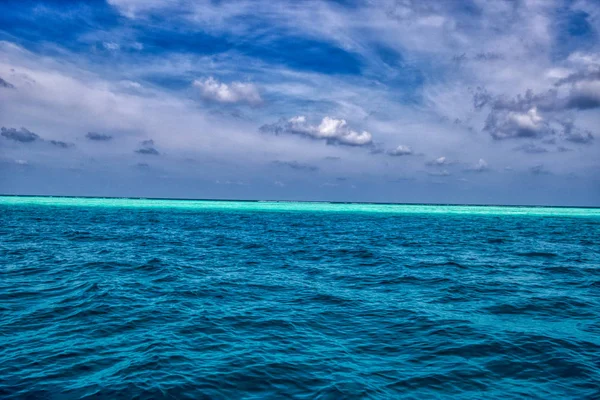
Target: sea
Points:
(113, 298)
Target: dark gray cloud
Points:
(61, 144)
(6, 85)
(148, 151)
(535, 116)
(584, 89)
(531, 148)
(487, 56)
(22, 135)
(501, 124)
(574, 134)
(98, 136)
(147, 148)
(587, 75)
(481, 97)
(296, 165)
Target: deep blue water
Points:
(136, 302)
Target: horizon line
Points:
(296, 201)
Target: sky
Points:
(471, 101)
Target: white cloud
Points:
(439, 161)
(332, 130)
(401, 150)
(480, 166)
(111, 46)
(235, 92)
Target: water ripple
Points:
(217, 303)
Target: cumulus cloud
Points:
(234, 92)
(22, 135)
(147, 148)
(100, 137)
(5, 84)
(333, 131)
(401, 150)
(502, 124)
(296, 165)
(537, 115)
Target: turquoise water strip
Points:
(284, 206)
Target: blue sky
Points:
(390, 101)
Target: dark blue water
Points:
(111, 302)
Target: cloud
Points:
(576, 135)
(235, 92)
(5, 84)
(443, 172)
(147, 148)
(61, 144)
(112, 46)
(584, 95)
(539, 169)
(501, 124)
(540, 115)
(584, 87)
(438, 162)
(22, 135)
(333, 131)
(296, 165)
(531, 148)
(229, 182)
(401, 150)
(480, 166)
(100, 137)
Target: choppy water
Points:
(217, 300)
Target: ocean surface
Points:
(153, 299)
